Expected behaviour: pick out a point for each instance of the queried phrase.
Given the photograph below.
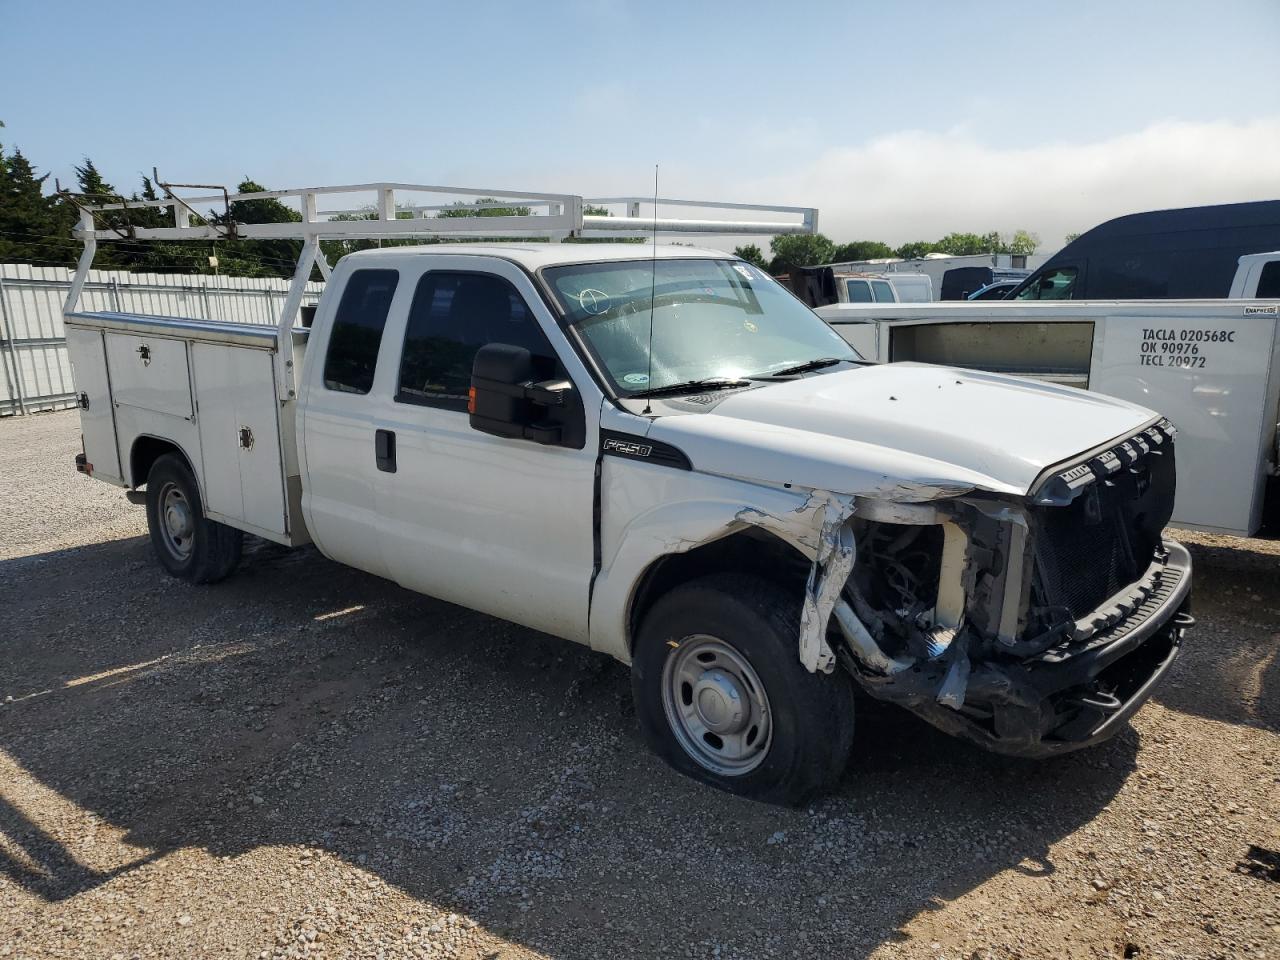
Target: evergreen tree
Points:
(257, 258)
(31, 228)
(752, 254)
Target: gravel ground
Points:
(307, 761)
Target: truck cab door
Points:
(338, 413)
(498, 524)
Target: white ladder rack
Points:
(398, 210)
(401, 210)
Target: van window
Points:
(452, 316)
(1269, 281)
(356, 336)
(859, 291)
(882, 291)
(1054, 285)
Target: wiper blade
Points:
(805, 367)
(692, 386)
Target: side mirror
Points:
(506, 400)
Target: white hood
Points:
(905, 430)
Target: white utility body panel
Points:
(97, 418)
(1210, 366)
(209, 387)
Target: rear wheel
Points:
(722, 696)
(187, 544)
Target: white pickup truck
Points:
(659, 452)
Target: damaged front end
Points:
(1031, 628)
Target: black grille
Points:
(1092, 548)
(1083, 559)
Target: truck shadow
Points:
(474, 764)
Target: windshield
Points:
(711, 319)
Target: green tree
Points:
(33, 228)
(966, 244)
(752, 254)
(1070, 237)
(914, 250)
(1024, 243)
(460, 209)
(799, 250)
(257, 258)
(861, 250)
(96, 190)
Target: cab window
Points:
(859, 291)
(356, 336)
(1053, 285)
(1269, 281)
(882, 291)
(452, 316)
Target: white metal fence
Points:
(33, 351)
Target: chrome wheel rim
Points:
(716, 706)
(177, 522)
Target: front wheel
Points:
(188, 544)
(721, 694)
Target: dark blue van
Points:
(1190, 253)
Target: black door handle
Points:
(384, 450)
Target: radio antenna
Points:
(653, 286)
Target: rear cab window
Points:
(356, 336)
(882, 291)
(1269, 281)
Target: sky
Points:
(899, 121)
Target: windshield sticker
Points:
(743, 269)
(593, 301)
(636, 379)
(749, 326)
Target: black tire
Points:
(811, 715)
(205, 551)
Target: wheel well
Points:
(748, 551)
(146, 451)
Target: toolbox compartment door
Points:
(150, 373)
(97, 413)
(240, 437)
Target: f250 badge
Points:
(628, 448)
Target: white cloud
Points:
(920, 185)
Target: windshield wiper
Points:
(805, 367)
(692, 386)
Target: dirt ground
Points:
(306, 760)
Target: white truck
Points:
(659, 452)
(1210, 366)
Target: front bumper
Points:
(1085, 690)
